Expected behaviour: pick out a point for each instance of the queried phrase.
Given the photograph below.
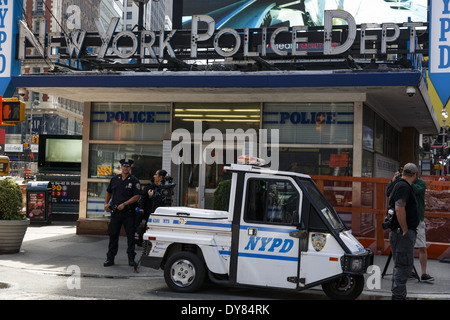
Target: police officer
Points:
(150, 199)
(124, 189)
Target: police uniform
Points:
(122, 191)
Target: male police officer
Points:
(124, 189)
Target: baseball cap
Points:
(410, 168)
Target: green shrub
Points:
(222, 196)
(10, 200)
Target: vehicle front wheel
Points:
(347, 287)
(184, 272)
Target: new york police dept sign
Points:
(9, 66)
(6, 8)
(440, 47)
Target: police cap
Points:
(126, 162)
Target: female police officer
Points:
(150, 199)
(124, 189)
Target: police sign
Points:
(440, 47)
(9, 66)
(440, 37)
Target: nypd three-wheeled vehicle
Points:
(279, 232)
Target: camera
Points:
(400, 171)
(166, 190)
(390, 221)
(22, 92)
(410, 91)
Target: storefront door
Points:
(199, 181)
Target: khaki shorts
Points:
(420, 240)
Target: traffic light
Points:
(13, 111)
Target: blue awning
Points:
(220, 79)
(385, 91)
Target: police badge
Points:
(318, 241)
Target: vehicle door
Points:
(268, 255)
(321, 259)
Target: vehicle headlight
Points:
(356, 264)
(352, 264)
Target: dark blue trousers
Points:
(127, 219)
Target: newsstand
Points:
(39, 201)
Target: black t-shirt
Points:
(402, 190)
(123, 190)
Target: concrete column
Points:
(85, 161)
(357, 164)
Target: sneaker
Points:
(426, 277)
(108, 263)
(413, 275)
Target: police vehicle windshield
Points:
(327, 210)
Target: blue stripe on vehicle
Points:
(208, 224)
(266, 256)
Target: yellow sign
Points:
(104, 171)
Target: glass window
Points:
(391, 141)
(221, 116)
(104, 160)
(324, 161)
(395, 144)
(96, 194)
(368, 126)
(367, 164)
(310, 123)
(321, 204)
(379, 134)
(130, 121)
(271, 201)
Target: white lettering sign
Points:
(440, 36)
(6, 19)
(159, 44)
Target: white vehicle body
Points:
(279, 232)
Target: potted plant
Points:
(13, 223)
(222, 196)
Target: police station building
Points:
(349, 100)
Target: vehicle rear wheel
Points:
(184, 272)
(347, 287)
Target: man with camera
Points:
(403, 229)
(124, 189)
(419, 186)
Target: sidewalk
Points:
(53, 248)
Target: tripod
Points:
(387, 265)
